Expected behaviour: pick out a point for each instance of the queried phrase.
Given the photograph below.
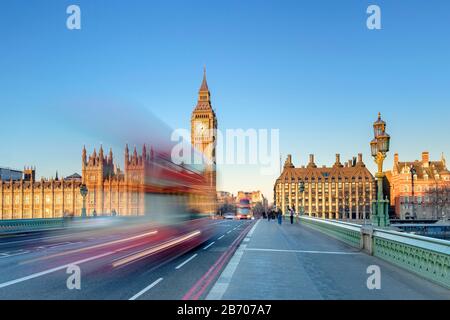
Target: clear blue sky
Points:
(310, 68)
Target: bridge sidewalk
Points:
(294, 262)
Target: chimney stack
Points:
(360, 159)
(288, 163)
(311, 163)
(425, 158)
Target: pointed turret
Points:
(144, 152)
(127, 156)
(110, 157)
(135, 155)
(83, 155)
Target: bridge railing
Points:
(347, 232)
(424, 256)
(12, 226)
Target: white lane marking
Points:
(140, 293)
(209, 245)
(303, 251)
(155, 249)
(220, 237)
(45, 272)
(34, 239)
(96, 246)
(229, 231)
(8, 255)
(249, 235)
(186, 261)
(59, 245)
(221, 286)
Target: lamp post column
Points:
(379, 147)
(83, 192)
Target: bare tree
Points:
(438, 199)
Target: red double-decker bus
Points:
(244, 210)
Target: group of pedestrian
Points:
(276, 213)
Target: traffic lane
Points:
(38, 256)
(52, 285)
(182, 274)
(99, 280)
(34, 239)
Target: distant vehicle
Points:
(244, 210)
(229, 216)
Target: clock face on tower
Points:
(199, 128)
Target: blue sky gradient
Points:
(310, 68)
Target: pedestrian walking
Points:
(279, 216)
(291, 212)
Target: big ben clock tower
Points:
(203, 132)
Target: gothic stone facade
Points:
(337, 192)
(109, 190)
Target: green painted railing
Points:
(346, 232)
(427, 257)
(424, 256)
(10, 226)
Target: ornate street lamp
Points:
(83, 192)
(379, 147)
(413, 173)
(302, 191)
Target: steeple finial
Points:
(204, 86)
(443, 159)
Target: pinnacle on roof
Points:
(204, 86)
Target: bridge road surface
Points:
(296, 262)
(34, 266)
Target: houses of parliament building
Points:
(111, 191)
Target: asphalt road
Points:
(129, 263)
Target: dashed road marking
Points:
(186, 261)
(209, 245)
(140, 293)
(220, 237)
